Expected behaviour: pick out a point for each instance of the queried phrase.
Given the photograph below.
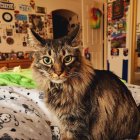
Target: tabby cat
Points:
(89, 104)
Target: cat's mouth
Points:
(58, 81)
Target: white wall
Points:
(73, 5)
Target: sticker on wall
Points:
(95, 18)
(21, 23)
(117, 9)
(7, 5)
(9, 32)
(21, 17)
(25, 8)
(109, 12)
(114, 52)
(7, 17)
(119, 42)
(125, 51)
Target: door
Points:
(135, 42)
(93, 38)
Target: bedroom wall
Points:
(19, 38)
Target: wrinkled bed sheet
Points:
(24, 116)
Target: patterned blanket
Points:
(23, 114)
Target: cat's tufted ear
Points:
(73, 37)
(35, 40)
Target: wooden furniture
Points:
(24, 63)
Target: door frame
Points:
(132, 42)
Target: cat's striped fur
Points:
(89, 104)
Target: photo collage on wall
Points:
(116, 17)
(42, 24)
(15, 21)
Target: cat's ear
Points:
(35, 40)
(73, 37)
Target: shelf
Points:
(24, 63)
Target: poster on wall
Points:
(114, 52)
(21, 17)
(95, 18)
(9, 32)
(25, 8)
(21, 23)
(40, 10)
(117, 9)
(41, 24)
(119, 42)
(7, 5)
(37, 22)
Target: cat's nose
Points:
(58, 72)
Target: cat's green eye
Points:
(68, 59)
(47, 60)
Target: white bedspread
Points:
(23, 114)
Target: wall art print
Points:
(95, 18)
(21, 23)
(117, 9)
(7, 5)
(25, 8)
(40, 10)
(42, 25)
(114, 52)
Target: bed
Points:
(23, 113)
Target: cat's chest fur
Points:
(62, 99)
(60, 96)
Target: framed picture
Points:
(9, 32)
(40, 10)
(114, 52)
(117, 9)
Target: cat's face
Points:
(58, 62)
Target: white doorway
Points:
(63, 22)
(93, 38)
